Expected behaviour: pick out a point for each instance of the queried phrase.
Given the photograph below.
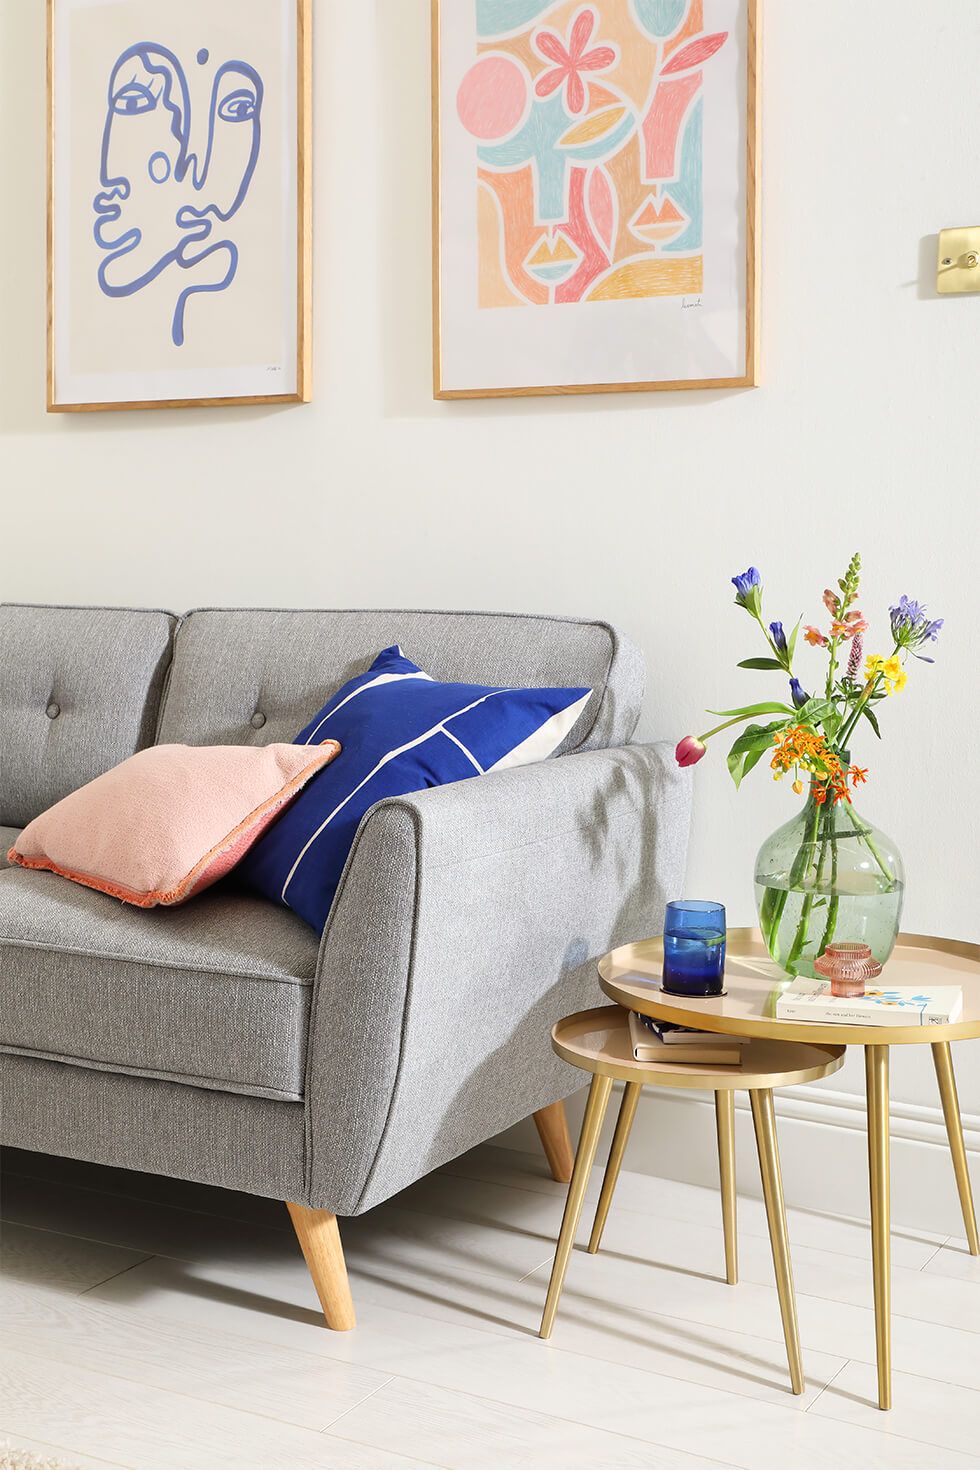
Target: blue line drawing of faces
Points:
(161, 206)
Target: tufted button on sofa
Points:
(224, 1041)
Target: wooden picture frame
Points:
(178, 88)
(512, 53)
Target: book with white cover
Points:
(881, 1005)
(647, 1047)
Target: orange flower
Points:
(814, 637)
(848, 626)
(858, 776)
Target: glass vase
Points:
(827, 875)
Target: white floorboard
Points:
(149, 1323)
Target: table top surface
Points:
(598, 1041)
(630, 976)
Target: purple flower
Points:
(745, 580)
(799, 694)
(778, 636)
(911, 626)
(748, 591)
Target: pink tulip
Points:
(690, 750)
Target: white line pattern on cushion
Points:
(468, 753)
(374, 684)
(385, 760)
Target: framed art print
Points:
(179, 223)
(595, 195)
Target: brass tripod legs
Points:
(943, 1059)
(594, 1114)
(764, 1118)
(627, 1113)
(876, 1070)
(725, 1122)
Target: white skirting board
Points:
(823, 1147)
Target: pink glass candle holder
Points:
(848, 967)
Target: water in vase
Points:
(825, 875)
(813, 917)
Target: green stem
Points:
(727, 725)
(869, 690)
(870, 844)
(803, 927)
(774, 904)
(833, 904)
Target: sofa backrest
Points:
(250, 676)
(79, 691)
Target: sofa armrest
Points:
(469, 919)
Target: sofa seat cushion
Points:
(8, 836)
(215, 994)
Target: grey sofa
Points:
(224, 1041)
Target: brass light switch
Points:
(959, 260)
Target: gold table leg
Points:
(725, 1121)
(764, 1118)
(591, 1127)
(876, 1070)
(943, 1058)
(627, 1113)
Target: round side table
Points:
(598, 1041)
(631, 977)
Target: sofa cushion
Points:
(8, 836)
(215, 994)
(401, 731)
(79, 692)
(253, 677)
(169, 822)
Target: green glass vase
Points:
(827, 875)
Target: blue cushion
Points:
(400, 731)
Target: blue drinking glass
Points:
(694, 947)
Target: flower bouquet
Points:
(827, 874)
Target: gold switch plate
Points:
(959, 260)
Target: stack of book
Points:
(662, 1041)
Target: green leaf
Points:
(831, 722)
(791, 641)
(754, 735)
(872, 719)
(760, 663)
(814, 711)
(749, 748)
(771, 707)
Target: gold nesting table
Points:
(630, 976)
(598, 1041)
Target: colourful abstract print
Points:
(588, 126)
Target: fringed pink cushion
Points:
(170, 821)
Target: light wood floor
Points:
(147, 1323)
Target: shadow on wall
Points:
(404, 180)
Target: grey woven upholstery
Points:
(79, 692)
(221, 1041)
(253, 677)
(127, 1122)
(214, 993)
(8, 836)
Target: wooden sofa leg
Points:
(319, 1238)
(553, 1132)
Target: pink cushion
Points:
(170, 821)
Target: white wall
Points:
(637, 508)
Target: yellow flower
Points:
(891, 668)
(901, 679)
(873, 663)
(798, 787)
